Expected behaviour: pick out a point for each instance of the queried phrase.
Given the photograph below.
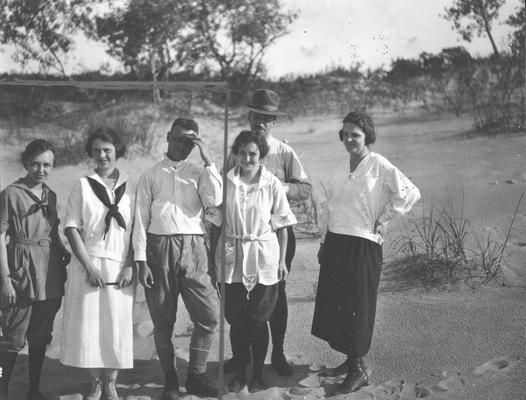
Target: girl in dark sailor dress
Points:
(32, 266)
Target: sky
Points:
(329, 33)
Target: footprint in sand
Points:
(500, 364)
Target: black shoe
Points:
(233, 364)
(169, 394)
(171, 387)
(35, 395)
(339, 370)
(356, 377)
(200, 385)
(281, 365)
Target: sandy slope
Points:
(432, 341)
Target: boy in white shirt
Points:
(171, 255)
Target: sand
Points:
(451, 343)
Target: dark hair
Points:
(108, 135)
(246, 137)
(35, 148)
(364, 122)
(186, 123)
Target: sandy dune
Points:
(454, 343)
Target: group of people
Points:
(153, 231)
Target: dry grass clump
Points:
(435, 249)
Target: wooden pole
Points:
(221, 381)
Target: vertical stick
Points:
(524, 83)
(221, 384)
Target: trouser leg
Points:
(278, 320)
(200, 298)
(39, 335)
(259, 339)
(15, 322)
(7, 364)
(161, 299)
(260, 306)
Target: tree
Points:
(152, 37)
(479, 13)
(517, 22)
(237, 34)
(42, 30)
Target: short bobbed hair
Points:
(364, 122)
(187, 124)
(246, 137)
(35, 148)
(107, 135)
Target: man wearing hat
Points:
(171, 255)
(283, 162)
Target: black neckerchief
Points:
(113, 209)
(40, 204)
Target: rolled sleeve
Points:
(297, 181)
(74, 208)
(142, 218)
(4, 212)
(210, 187)
(282, 215)
(404, 195)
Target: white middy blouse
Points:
(376, 190)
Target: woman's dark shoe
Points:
(232, 364)
(169, 394)
(35, 395)
(339, 370)
(356, 377)
(201, 385)
(171, 387)
(256, 386)
(240, 380)
(281, 365)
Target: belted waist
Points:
(251, 237)
(43, 242)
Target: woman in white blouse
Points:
(256, 215)
(363, 195)
(97, 328)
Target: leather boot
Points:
(171, 386)
(7, 363)
(356, 377)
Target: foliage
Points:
(517, 22)
(437, 243)
(237, 34)
(151, 38)
(42, 30)
(479, 13)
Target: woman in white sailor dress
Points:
(97, 321)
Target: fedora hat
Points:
(265, 101)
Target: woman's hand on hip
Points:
(320, 253)
(8, 294)
(125, 277)
(94, 277)
(379, 228)
(282, 271)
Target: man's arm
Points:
(297, 185)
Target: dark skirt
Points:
(347, 290)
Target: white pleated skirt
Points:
(97, 323)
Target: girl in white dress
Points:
(97, 320)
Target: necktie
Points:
(40, 204)
(113, 209)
